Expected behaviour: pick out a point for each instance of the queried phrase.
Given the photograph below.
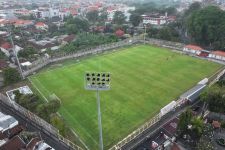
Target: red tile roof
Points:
(23, 22)
(194, 47)
(16, 143)
(40, 24)
(31, 145)
(69, 38)
(14, 131)
(216, 124)
(6, 45)
(220, 53)
(175, 147)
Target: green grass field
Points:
(144, 79)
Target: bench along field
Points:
(143, 80)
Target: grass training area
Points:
(144, 79)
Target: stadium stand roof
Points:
(193, 93)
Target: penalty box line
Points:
(38, 90)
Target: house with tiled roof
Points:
(6, 47)
(41, 26)
(16, 143)
(194, 49)
(220, 55)
(23, 23)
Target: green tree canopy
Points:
(197, 127)
(119, 18)
(214, 97)
(27, 52)
(135, 19)
(11, 75)
(59, 123)
(75, 25)
(92, 16)
(192, 8)
(184, 121)
(207, 27)
(102, 16)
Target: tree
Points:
(42, 111)
(53, 106)
(166, 33)
(11, 76)
(192, 8)
(75, 25)
(184, 121)
(169, 34)
(59, 123)
(214, 97)
(27, 52)
(103, 15)
(92, 16)
(197, 127)
(135, 19)
(146, 8)
(119, 18)
(29, 101)
(207, 27)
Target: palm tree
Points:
(197, 127)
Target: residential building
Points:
(123, 8)
(7, 122)
(157, 19)
(6, 48)
(12, 137)
(220, 55)
(41, 26)
(23, 23)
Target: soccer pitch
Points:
(143, 79)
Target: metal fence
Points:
(38, 122)
(42, 62)
(144, 127)
(155, 119)
(167, 44)
(99, 49)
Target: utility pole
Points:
(15, 53)
(145, 34)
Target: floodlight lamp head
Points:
(97, 80)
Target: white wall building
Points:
(194, 49)
(125, 9)
(220, 55)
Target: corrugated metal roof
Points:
(193, 93)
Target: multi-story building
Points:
(157, 19)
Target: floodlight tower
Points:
(15, 53)
(98, 81)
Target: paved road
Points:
(30, 126)
(149, 132)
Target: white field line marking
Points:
(70, 65)
(72, 128)
(65, 110)
(38, 90)
(49, 93)
(57, 98)
(80, 139)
